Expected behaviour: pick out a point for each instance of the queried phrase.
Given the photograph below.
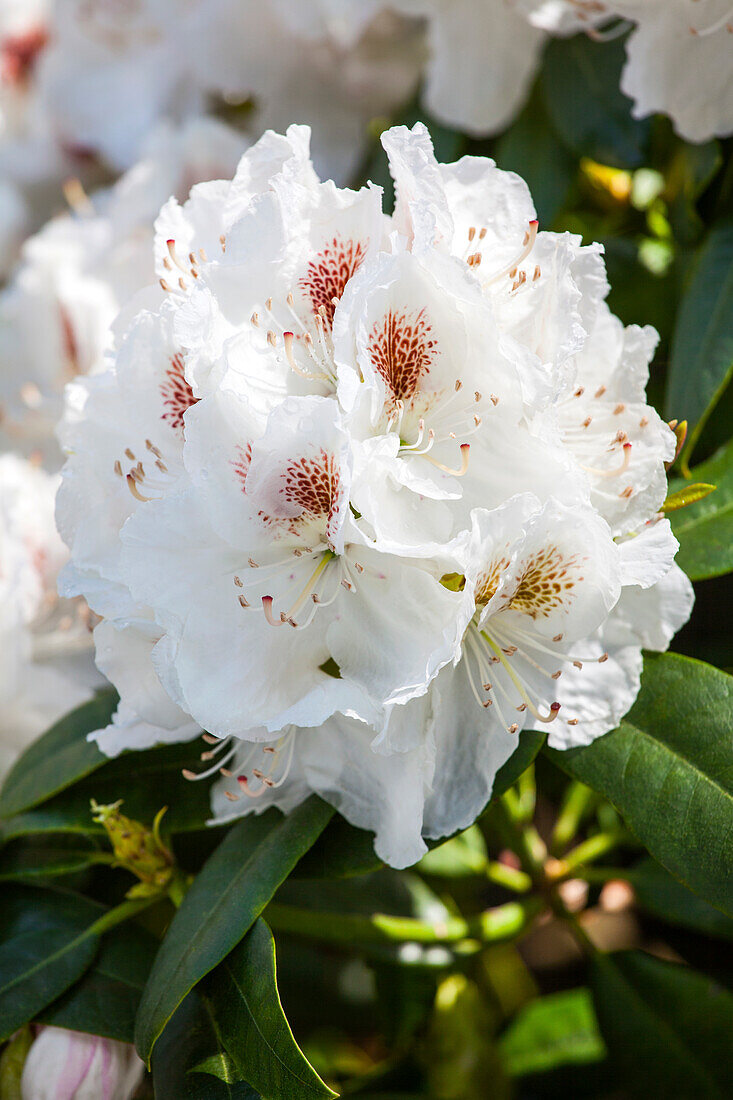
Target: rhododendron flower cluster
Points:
(368, 495)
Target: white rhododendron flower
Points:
(680, 62)
(31, 160)
(47, 667)
(13, 224)
(56, 314)
(366, 496)
(334, 64)
(482, 58)
(150, 61)
(70, 1065)
(679, 54)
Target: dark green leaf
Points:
(220, 1065)
(638, 296)
(146, 781)
(580, 84)
(705, 529)
(46, 944)
(669, 1028)
(702, 347)
(226, 898)
(552, 1031)
(691, 172)
(189, 1041)
(658, 893)
(250, 1020)
(32, 864)
(341, 851)
(668, 769)
(59, 758)
(105, 1000)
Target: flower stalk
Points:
(505, 922)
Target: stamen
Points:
(132, 486)
(554, 707)
(306, 592)
(246, 789)
(267, 783)
(462, 469)
(77, 197)
(288, 338)
(529, 240)
(725, 22)
(232, 748)
(174, 256)
(610, 33)
(420, 437)
(615, 472)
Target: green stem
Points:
(101, 857)
(578, 800)
(606, 874)
(571, 920)
(178, 887)
(512, 806)
(591, 849)
(501, 923)
(509, 877)
(523, 839)
(527, 790)
(506, 922)
(120, 913)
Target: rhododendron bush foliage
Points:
(368, 433)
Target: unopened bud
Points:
(69, 1065)
(680, 430)
(137, 848)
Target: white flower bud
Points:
(68, 1065)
